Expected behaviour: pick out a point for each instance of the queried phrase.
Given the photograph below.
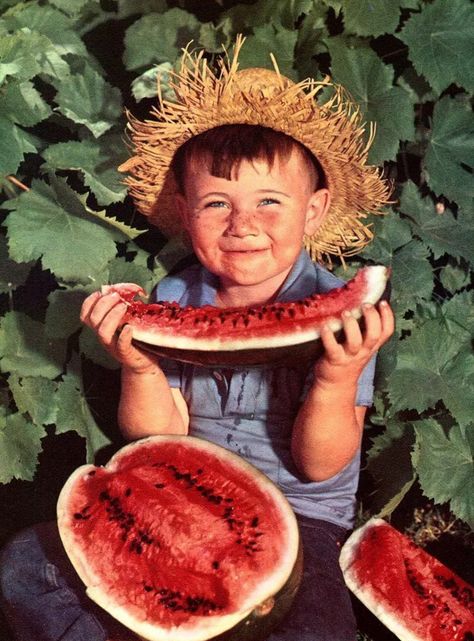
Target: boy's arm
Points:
(328, 428)
(147, 403)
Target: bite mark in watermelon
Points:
(182, 540)
(416, 596)
(249, 335)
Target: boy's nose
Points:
(241, 223)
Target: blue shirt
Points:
(251, 410)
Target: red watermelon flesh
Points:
(256, 335)
(416, 596)
(177, 538)
(263, 326)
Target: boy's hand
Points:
(342, 363)
(103, 313)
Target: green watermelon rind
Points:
(289, 571)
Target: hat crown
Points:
(332, 129)
(257, 80)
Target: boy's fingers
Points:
(104, 305)
(331, 346)
(353, 336)
(387, 319)
(373, 326)
(124, 340)
(109, 324)
(88, 305)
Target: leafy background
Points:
(68, 68)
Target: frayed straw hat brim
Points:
(332, 130)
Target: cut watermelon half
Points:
(415, 596)
(182, 540)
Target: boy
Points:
(248, 190)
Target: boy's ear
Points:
(317, 209)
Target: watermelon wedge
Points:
(249, 335)
(413, 594)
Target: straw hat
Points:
(205, 99)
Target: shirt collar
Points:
(299, 283)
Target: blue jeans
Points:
(44, 599)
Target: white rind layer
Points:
(199, 628)
(375, 287)
(365, 594)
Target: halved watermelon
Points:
(416, 596)
(182, 540)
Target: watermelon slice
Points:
(248, 335)
(416, 596)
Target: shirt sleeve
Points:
(365, 385)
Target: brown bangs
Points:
(223, 148)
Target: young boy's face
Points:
(248, 231)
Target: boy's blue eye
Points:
(269, 201)
(216, 204)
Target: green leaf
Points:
(62, 316)
(430, 369)
(269, 39)
(50, 22)
(98, 162)
(26, 350)
(458, 313)
(450, 151)
(14, 144)
(20, 445)
(145, 85)
(35, 395)
(121, 271)
(445, 466)
(159, 37)
(371, 18)
(391, 450)
(121, 230)
(90, 347)
(74, 414)
(370, 82)
(22, 103)
(312, 33)
(442, 233)
(12, 274)
(263, 12)
(70, 8)
(51, 223)
(216, 38)
(90, 100)
(169, 256)
(416, 85)
(128, 8)
(453, 278)
(412, 274)
(27, 53)
(390, 233)
(440, 41)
